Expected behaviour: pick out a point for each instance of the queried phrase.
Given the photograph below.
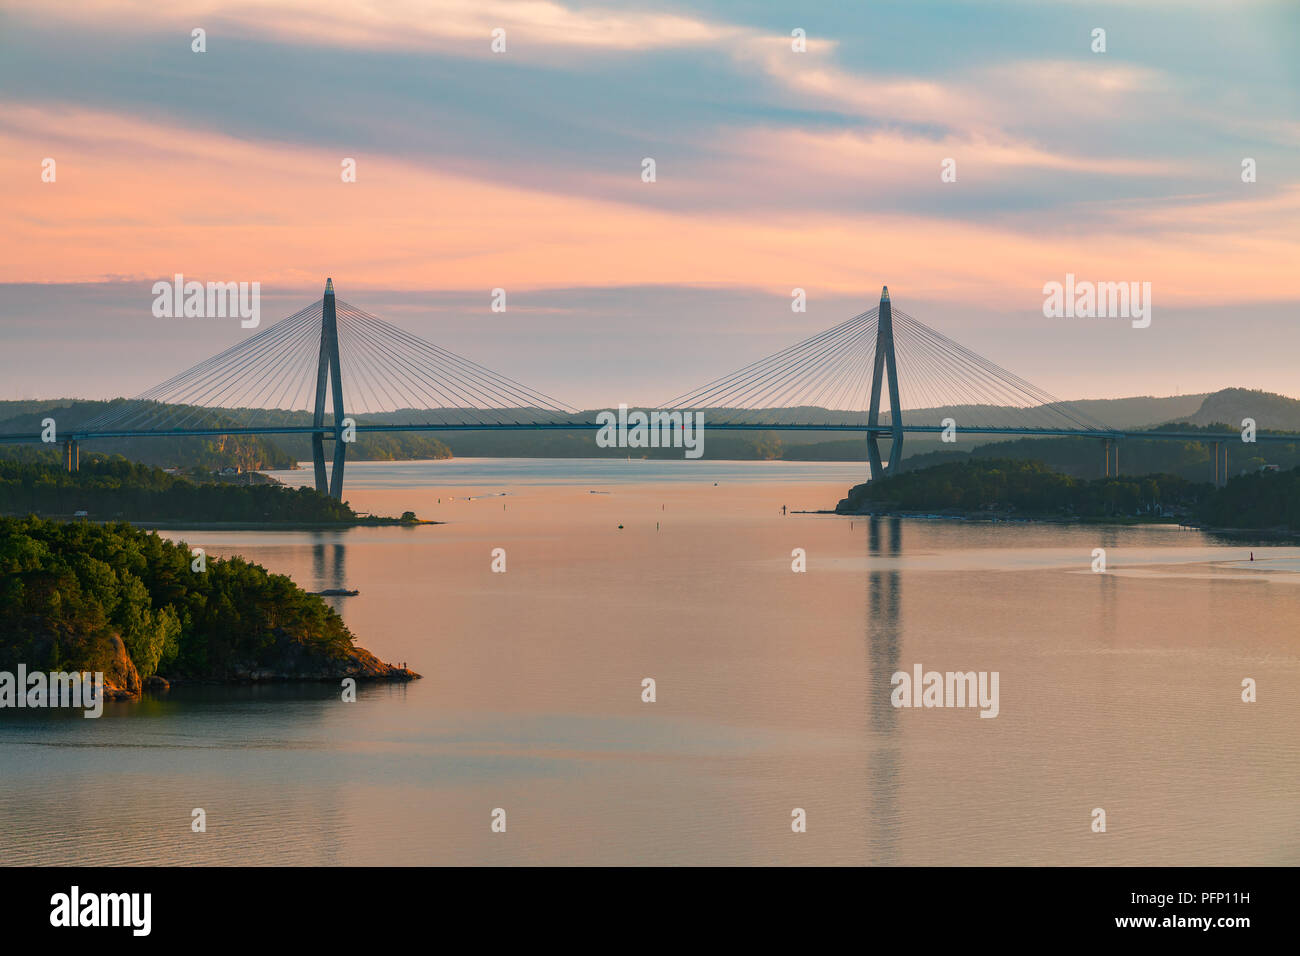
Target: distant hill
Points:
(247, 452)
(1141, 412)
(1271, 412)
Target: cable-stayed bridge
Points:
(331, 370)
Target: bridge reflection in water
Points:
(883, 640)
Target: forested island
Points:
(112, 488)
(1257, 501)
(76, 596)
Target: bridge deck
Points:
(331, 431)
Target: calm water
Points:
(1117, 690)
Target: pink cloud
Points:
(145, 199)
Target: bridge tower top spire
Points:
(885, 374)
(328, 373)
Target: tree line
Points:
(112, 487)
(66, 588)
(1259, 500)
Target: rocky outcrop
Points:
(121, 679)
(289, 660)
(360, 664)
(857, 502)
(293, 659)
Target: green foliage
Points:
(1024, 486)
(1084, 458)
(1269, 499)
(249, 452)
(373, 446)
(1258, 500)
(718, 445)
(117, 488)
(66, 588)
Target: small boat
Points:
(337, 592)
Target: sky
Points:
(775, 169)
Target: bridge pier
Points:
(328, 371)
(885, 363)
(71, 456)
(1108, 445)
(1220, 475)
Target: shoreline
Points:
(1014, 518)
(154, 524)
(395, 675)
(358, 663)
(271, 525)
(1005, 517)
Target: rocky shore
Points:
(290, 661)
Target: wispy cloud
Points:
(531, 25)
(777, 168)
(206, 203)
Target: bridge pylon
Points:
(328, 370)
(886, 366)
